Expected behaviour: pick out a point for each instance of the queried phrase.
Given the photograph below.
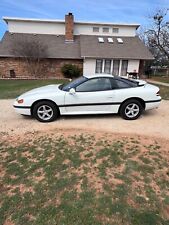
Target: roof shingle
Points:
(83, 46)
(131, 48)
(55, 45)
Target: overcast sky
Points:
(132, 11)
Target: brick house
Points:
(95, 47)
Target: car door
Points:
(93, 96)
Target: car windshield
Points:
(72, 84)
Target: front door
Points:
(93, 96)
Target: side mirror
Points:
(72, 91)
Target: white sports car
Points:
(97, 94)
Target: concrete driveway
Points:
(153, 123)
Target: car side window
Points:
(95, 84)
(122, 84)
(113, 83)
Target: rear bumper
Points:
(152, 104)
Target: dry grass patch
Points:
(74, 178)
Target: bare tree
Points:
(33, 51)
(157, 36)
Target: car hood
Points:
(42, 90)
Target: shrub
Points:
(71, 71)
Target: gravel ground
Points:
(153, 123)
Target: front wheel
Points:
(131, 110)
(45, 111)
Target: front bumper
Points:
(21, 109)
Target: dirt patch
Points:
(100, 170)
(29, 137)
(151, 123)
(8, 222)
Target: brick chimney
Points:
(69, 24)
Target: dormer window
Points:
(105, 29)
(96, 29)
(115, 30)
(110, 40)
(101, 39)
(120, 40)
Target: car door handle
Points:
(110, 97)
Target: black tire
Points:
(126, 111)
(45, 111)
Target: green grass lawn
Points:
(13, 88)
(83, 180)
(164, 91)
(160, 79)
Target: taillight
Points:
(158, 93)
(20, 101)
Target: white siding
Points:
(89, 66)
(43, 27)
(88, 30)
(133, 65)
(36, 27)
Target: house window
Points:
(99, 65)
(124, 67)
(105, 30)
(116, 65)
(115, 30)
(107, 66)
(95, 29)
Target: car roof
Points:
(105, 75)
(109, 76)
(98, 75)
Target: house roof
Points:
(131, 48)
(54, 44)
(84, 46)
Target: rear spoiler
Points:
(139, 82)
(136, 81)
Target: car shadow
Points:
(89, 116)
(93, 116)
(103, 116)
(150, 112)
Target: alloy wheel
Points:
(132, 110)
(45, 112)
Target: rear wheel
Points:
(45, 111)
(131, 109)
